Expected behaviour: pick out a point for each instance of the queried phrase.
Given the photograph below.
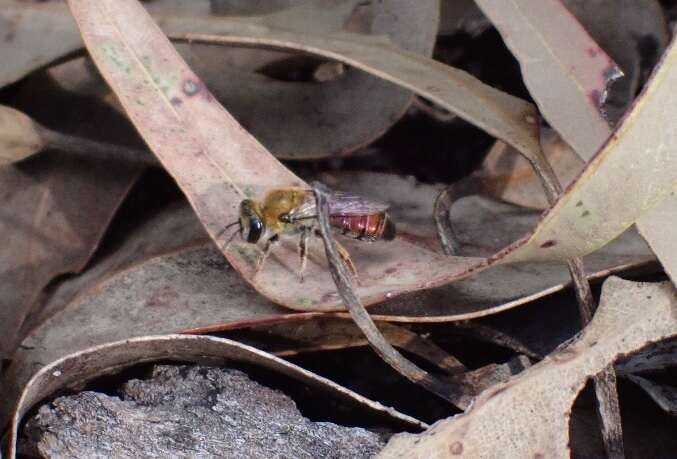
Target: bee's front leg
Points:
(303, 251)
(264, 254)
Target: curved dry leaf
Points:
(636, 164)
(19, 136)
(334, 117)
(580, 122)
(560, 62)
(507, 175)
(165, 277)
(529, 415)
(216, 162)
(78, 368)
(159, 83)
(315, 116)
(634, 33)
(659, 229)
(50, 228)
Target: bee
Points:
(294, 211)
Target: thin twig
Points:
(608, 407)
(345, 286)
(466, 187)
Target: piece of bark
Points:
(189, 411)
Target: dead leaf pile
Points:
(131, 132)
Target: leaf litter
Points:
(511, 120)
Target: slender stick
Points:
(608, 407)
(345, 286)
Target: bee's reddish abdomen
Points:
(369, 227)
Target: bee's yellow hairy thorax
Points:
(279, 202)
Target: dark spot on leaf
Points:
(390, 270)
(585, 213)
(456, 448)
(548, 244)
(648, 297)
(329, 296)
(592, 52)
(579, 203)
(539, 456)
(191, 87)
(176, 101)
(595, 97)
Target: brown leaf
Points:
(579, 121)
(529, 415)
(80, 367)
(50, 227)
(19, 136)
(658, 228)
(507, 175)
(238, 77)
(560, 62)
(634, 33)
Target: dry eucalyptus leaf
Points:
(634, 33)
(580, 123)
(78, 368)
(529, 415)
(509, 176)
(658, 228)
(174, 104)
(19, 136)
(165, 277)
(629, 176)
(55, 210)
(560, 62)
(319, 120)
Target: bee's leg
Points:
(345, 256)
(264, 254)
(343, 253)
(303, 251)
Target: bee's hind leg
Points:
(345, 256)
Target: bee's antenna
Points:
(230, 239)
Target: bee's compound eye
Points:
(255, 230)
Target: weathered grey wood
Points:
(189, 411)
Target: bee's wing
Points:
(340, 203)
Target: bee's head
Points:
(251, 221)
